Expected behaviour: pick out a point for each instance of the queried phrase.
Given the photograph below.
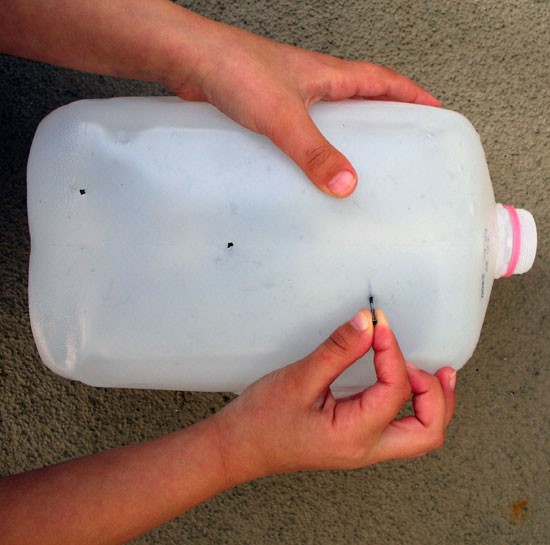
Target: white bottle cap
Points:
(517, 241)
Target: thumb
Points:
(315, 373)
(296, 134)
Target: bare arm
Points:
(113, 496)
(264, 85)
(286, 421)
(138, 39)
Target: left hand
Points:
(268, 86)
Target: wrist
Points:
(185, 50)
(240, 456)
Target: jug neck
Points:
(517, 240)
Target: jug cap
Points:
(517, 241)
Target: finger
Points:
(313, 375)
(385, 398)
(432, 101)
(447, 379)
(428, 398)
(295, 133)
(396, 86)
(419, 455)
(414, 435)
(380, 81)
(369, 80)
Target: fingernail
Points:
(452, 380)
(360, 321)
(381, 317)
(411, 366)
(342, 184)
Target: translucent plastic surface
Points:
(173, 249)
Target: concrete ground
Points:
(489, 483)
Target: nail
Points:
(381, 318)
(372, 313)
(360, 321)
(411, 366)
(452, 380)
(342, 184)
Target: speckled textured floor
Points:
(489, 484)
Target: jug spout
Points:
(517, 246)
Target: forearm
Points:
(140, 39)
(115, 495)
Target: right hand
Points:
(289, 420)
(268, 86)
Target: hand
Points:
(264, 85)
(267, 87)
(290, 421)
(286, 421)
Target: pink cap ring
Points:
(516, 240)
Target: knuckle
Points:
(400, 389)
(337, 344)
(384, 339)
(404, 391)
(318, 157)
(387, 72)
(437, 439)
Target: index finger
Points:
(386, 397)
(395, 86)
(368, 80)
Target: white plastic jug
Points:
(173, 249)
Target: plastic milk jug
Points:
(174, 249)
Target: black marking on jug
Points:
(230, 245)
(83, 192)
(371, 304)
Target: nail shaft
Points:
(371, 304)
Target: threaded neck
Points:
(517, 241)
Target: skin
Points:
(264, 85)
(287, 421)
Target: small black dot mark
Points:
(230, 244)
(83, 192)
